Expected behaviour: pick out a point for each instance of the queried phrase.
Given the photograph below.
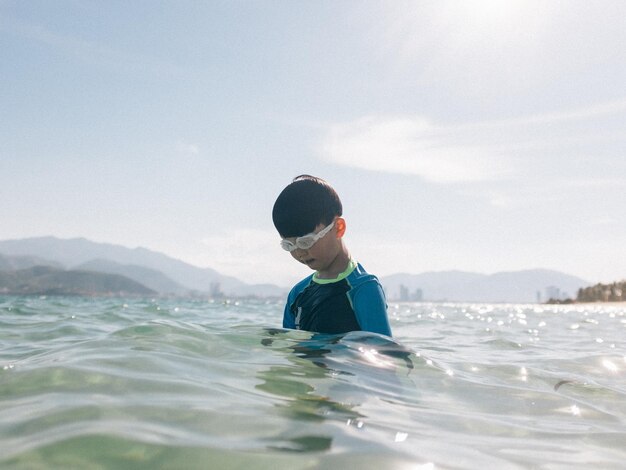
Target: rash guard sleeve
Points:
(288, 320)
(370, 307)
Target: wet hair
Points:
(304, 204)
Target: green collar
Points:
(351, 266)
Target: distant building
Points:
(404, 293)
(406, 296)
(418, 295)
(553, 292)
(215, 290)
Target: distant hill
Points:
(166, 275)
(8, 263)
(46, 280)
(518, 286)
(150, 278)
(72, 253)
(434, 285)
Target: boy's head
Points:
(303, 205)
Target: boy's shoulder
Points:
(360, 276)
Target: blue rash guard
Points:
(354, 301)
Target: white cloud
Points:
(500, 200)
(409, 145)
(556, 143)
(186, 148)
(595, 111)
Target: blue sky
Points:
(478, 135)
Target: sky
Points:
(476, 135)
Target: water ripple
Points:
(108, 383)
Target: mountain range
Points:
(534, 285)
(156, 271)
(47, 280)
(132, 270)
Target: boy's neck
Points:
(339, 265)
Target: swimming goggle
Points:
(306, 241)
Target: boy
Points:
(340, 296)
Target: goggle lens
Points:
(306, 241)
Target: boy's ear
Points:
(341, 227)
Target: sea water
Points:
(190, 384)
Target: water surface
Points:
(110, 383)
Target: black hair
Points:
(304, 204)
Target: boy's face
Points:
(322, 253)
